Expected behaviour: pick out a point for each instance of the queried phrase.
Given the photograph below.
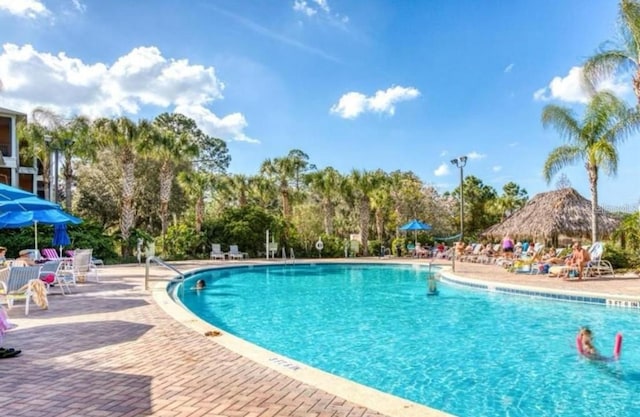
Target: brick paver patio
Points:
(110, 350)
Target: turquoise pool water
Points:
(467, 352)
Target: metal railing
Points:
(160, 262)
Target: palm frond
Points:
(559, 158)
(630, 21)
(562, 119)
(603, 154)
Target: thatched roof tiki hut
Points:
(551, 215)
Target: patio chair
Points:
(216, 252)
(53, 268)
(598, 266)
(81, 268)
(19, 285)
(234, 252)
(94, 260)
(49, 253)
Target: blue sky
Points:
(355, 84)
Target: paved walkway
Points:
(110, 350)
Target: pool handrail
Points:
(160, 262)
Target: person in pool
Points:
(200, 284)
(586, 337)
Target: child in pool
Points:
(586, 337)
(200, 284)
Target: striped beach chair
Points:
(18, 284)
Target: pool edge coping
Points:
(387, 404)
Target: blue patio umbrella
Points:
(15, 199)
(60, 236)
(16, 219)
(415, 225)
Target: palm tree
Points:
(174, 144)
(195, 185)
(35, 137)
(607, 121)
(125, 138)
(361, 185)
(624, 56)
(71, 137)
(324, 186)
(281, 170)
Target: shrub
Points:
(621, 258)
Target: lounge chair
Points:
(19, 285)
(234, 253)
(216, 252)
(54, 268)
(81, 268)
(598, 266)
(49, 253)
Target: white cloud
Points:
(302, 7)
(319, 9)
(512, 144)
(139, 79)
(31, 9)
(444, 153)
(442, 170)
(496, 168)
(509, 68)
(352, 104)
(571, 88)
(475, 155)
(79, 6)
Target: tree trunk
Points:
(166, 179)
(379, 224)
(286, 207)
(364, 225)
(636, 85)
(328, 217)
(68, 181)
(127, 217)
(199, 214)
(593, 186)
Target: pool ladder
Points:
(292, 256)
(160, 262)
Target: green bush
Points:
(621, 258)
(85, 235)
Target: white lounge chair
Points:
(216, 252)
(18, 284)
(234, 253)
(82, 267)
(598, 266)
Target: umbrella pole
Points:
(35, 226)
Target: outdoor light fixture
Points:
(460, 163)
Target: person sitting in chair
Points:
(24, 259)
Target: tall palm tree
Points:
(195, 185)
(174, 144)
(324, 186)
(380, 201)
(361, 185)
(281, 170)
(239, 185)
(125, 138)
(607, 121)
(71, 137)
(622, 56)
(35, 137)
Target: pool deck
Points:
(114, 349)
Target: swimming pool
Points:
(467, 352)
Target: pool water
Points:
(467, 352)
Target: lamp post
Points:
(460, 163)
